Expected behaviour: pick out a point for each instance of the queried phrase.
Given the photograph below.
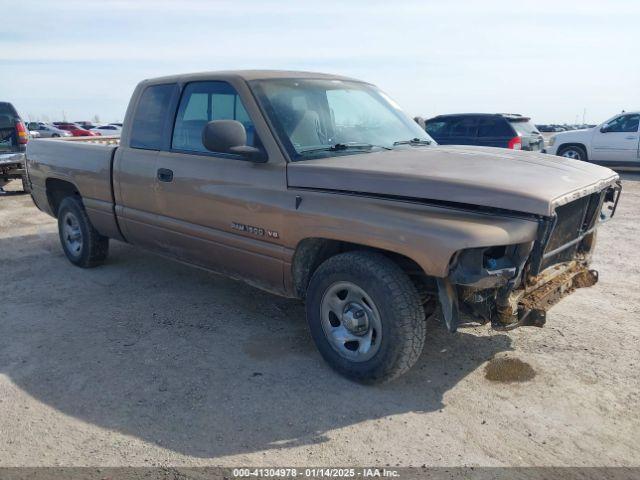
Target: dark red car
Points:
(77, 131)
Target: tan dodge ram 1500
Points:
(319, 187)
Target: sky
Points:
(551, 60)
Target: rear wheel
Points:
(81, 243)
(365, 316)
(573, 151)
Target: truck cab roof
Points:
(246, 75)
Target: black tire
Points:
(93, 247)
(401, 316)
(55, 135)
(574, 152)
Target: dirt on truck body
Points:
(319, 187)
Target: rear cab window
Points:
(150, 117)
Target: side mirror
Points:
(229, 136)
(604, 129)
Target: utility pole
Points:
(584, 116)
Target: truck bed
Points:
(83, 162)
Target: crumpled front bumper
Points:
(529, 305)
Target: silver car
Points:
(107, 130)
(47, 131)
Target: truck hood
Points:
(582, 135)
(527, 182)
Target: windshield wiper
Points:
(338, 147)
(413, 141)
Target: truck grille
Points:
(573, 220)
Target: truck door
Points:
(617, 140)
(214, 209)
(135, 164)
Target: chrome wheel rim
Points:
(573, 154)
(351, 321)
(72, 234)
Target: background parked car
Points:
(13, 140)
(76, 130)
(486, 129)
(86, 125)
(111, 130)
(614, 143)
(47, 131)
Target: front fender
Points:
(429, 235)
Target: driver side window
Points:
(203, 102)
(624, 123)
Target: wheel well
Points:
(574, 144)
(311, 252)
(58, 190)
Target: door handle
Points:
(631, 137)
(165, 175)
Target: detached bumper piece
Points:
(528, 307)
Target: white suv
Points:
(614, 143)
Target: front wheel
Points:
(81, 243)
(365, 316)
(573, 152)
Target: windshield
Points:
(318, 118)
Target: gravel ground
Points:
(148, 362)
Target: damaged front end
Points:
(515, 285)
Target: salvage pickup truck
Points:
(319, 187)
